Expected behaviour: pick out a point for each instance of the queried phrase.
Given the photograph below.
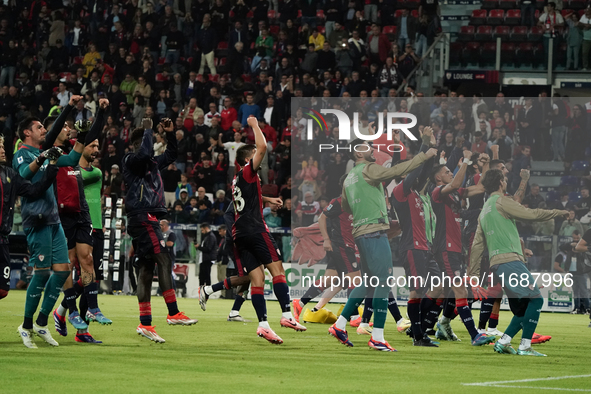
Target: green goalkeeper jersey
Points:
(93, 182)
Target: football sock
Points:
(310, 294)
(514, 326)
(525, 344)
(170, 299)
(341, 323)
(36, 287)
(493, 322)
(51, 295)
(505, 339)
(91, 293)
(378, 335)
(429, 312)
(466, 316)
(61, 310)
(258, 302)
(414, 313)
(380, 306)
(531, 317)
(208, 290)
(238, 301)
(352, 305)
(367, 310)
(485, 312)
(448, 308)
(282, 293)
(70, 300)
(393, 307)
(145, 313)
(216, 287)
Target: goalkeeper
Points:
(41, 222)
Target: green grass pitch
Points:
(216, 356)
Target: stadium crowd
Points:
(209, 65)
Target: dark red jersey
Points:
(448, 229)
(474, 205)
(411, 218)
(70, 188)
(248, 203)
(339, 224)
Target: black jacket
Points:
(141, 173)
(209, 247)
(13, 185)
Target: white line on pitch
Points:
(526, 380)
(535, 388)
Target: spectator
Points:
(389, 77)
(203, 212)
(183, 184)
(559, 128)
(406, 29)
(549, 22)
(179, 215)
(188, 203)
(113, 181)
(570, 262)
(202, 197)
(247, 109)
(528, 120)
(204, 175)
(264, 49)
(570, 224)
(207, 42)
(220, 172)
(237, 60)
(378, 46)
(220, 205)
(190, 114)
(307, 210)
(128, 88)
(583, 205)
(585, 24)
(171, 177)
(534, 198)
(182, 149)
(208, 249)
(574, 41)
(528, 9)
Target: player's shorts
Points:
(47, 245)
(450, 263)
(4, 267)
(419, 264)
(78, 228)
(342, 259)
(261, 248)
(516, 280)
(146, 235)
(98, 237)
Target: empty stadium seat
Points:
(483, 33)
(525, 53)
(478, 17)
(502, 32)
(574, 196)
(519, 34)
(508, 52)
(535, 34)
(513, 17)
(490, 4)
(398, 14)
(489, 52)
(566, 12)
(466, 33)
(471, 53)
(577, 4)
(412, 4)
(270, 190)
(496, 17)
(569, 180)
(507, 4)
(455, 53)
(552, 196)
(580, 165)
(539, 54)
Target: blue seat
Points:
(574, 196)
(552, 196)
(580, 165)
(569, 180)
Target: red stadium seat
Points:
(525, 52)
(321, 30)
(160, 77)
(502, 32)
(483, 33)
(478, 17)
(271, 14)
(78, 59)
(250, 15)
(161, 61)
(398, 14)
(215, 78)
(320, 14)
(390, 31)
(274, 29)
(508, 52)
(489, 51)
(519, 33)
(536, 33)
(496, 17)
(246, 78)
(566, 12)
(466, 33)
(513, 17)
(471, 53)
(581, 13)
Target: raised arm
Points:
(520, 193)
(260, 142)
(324, 232)
(171, 152)
(510, 209)
(456, 183)
(137, 161)
(374, 173)
(59, 123)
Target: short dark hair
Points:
(204, 225)
(352, 145)
(222, 227)
(492, 180)
(576, 232)
(243, 152)
(49, 121)
(496, 162)
(434, 173)
(26, 124)
(136, 135)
